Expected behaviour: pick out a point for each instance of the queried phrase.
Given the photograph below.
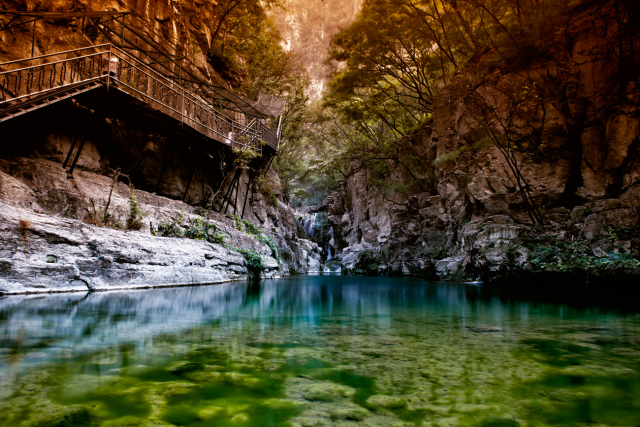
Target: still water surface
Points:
(316, 351)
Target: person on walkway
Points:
(110, 66)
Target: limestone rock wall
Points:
(49, 244)
(42, 253)
(464, 218)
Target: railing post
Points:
(109, 68)
(33, 36)
(182, 89)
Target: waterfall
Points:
(329, 257)
(307, 224)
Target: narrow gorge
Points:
(520, 167)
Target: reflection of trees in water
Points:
(31, 325)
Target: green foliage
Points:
(579, 256)
(195, 228)
(272, 199)
(253, 258)
(134, 221)
(171, 228)
(202, 211)
(265, 186)
(257, 232)
(450, 156)
(201, 229)
(244, 156)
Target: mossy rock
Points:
(387, 402)
(204, 376)
(349, 414)
(173, 389)
(280, 404)
(78, 417)
(326, 392)
(499, 422)
(184, 367)
(128, 421)
(240, 419)
(210, 412)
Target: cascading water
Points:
(307, 225)
(317, 229)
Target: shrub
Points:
(255, 231)
(134, 222)
(201, 229)
(253, 258)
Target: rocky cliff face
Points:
(575, 141)
(50, 242)
(183, 29)
(172, 171)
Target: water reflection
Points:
(34, 329)
(316, 350)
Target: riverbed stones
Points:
(387, 402)
(327, 392)
(185, 367)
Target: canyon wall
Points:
(575, 139)
(68, 230)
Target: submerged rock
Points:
(387, 402)
(485, 328)
(349, 414)
(184, 367)
(327, 392)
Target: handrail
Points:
(50, 63)
(139, 80)
(55, 54)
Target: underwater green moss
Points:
(385, 357)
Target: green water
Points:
(317, 351)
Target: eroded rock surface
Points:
(463, 217)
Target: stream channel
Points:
(317, 351)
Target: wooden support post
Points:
(227, 197)
(109, 69)
(186, 190)
(235, 203)
(75, 160)
(164, 161)
(233, 185)
(73, 145)
(227, 194)
(246, 194)
(268, 165)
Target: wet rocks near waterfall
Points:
(319, 239)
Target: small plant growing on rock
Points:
(266, 190)
(134, 222)
(200, 229)
(171, 228)
(255, 231)
(253, 258)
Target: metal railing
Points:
(25, 79)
